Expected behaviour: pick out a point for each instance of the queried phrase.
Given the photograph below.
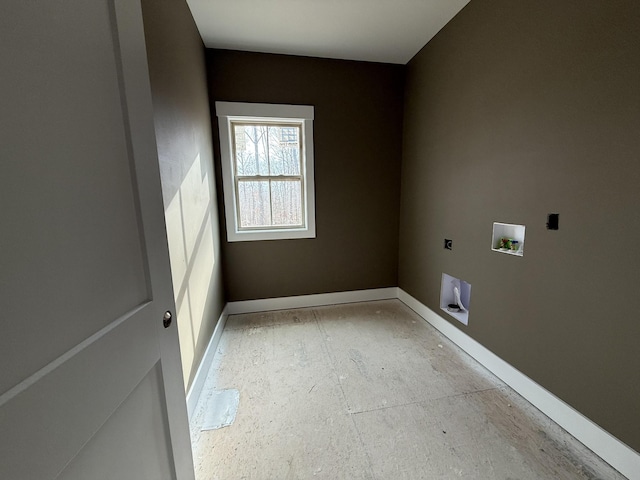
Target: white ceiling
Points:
(390, 31)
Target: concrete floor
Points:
(371, 391)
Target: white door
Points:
(90, 381)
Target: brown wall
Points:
(513, 111)
(183, 131)
(358, 137)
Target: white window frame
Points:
(228, 112)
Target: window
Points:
(267, 170)
(288, 135)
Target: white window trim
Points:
(234, 111)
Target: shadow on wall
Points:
(190, 231)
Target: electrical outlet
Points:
(552, 221)
(448, 244)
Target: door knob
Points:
(166, 319)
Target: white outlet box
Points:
(447, 297)
(511, 231)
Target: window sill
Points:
(280, 234)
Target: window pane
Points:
(284, 150)
(251, 149)
(253, 203)
(286, 202)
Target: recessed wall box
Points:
(508, 238)
(455, 296)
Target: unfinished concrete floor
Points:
(371, 391)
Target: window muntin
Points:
(267, 166)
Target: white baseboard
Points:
(203, 369)
(317, 300)
(606, 446)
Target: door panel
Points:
(66, 183)
(120, 451)
(88, 367)
(63, 406)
